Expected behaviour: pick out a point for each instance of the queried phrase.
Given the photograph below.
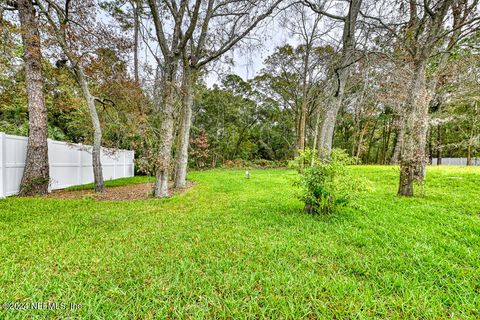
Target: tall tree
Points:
(422, 30)
(219, 27)
(136, 5)
(298, 87)
(422, 34)
(305, 26)
(340, 69)
(75, 30)
(190, 76)
(128, 14)
(172, 40)
(196, 30)
(36, 178)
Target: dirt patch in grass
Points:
(124, 193)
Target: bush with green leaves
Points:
(326, 184)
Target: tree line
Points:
(391, 82)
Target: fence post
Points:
(51, 165)
(124, 164)
(3, 169)
(80, 168)
(133, 163)
(114, 165)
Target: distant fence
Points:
(70, 164)
(456, 161)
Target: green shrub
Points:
(326, 184)
(307, 157)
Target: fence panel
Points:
(456, 161)
(70, 164)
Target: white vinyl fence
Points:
(70, 164)
(456, 161)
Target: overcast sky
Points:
(247, 63)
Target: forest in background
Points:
(249, 119)
(349, 79)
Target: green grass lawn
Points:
(115, 183)
(236, 248)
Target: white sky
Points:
(248, 63)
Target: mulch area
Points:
(125, 193)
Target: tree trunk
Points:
(136, 27)
(439, 145)
(406, 181)
(340, 78)
(387, 143)
(60, 34)
(302, 126)
(422, 135)
(469, 154)
(325, 141)
(384, 136)
(97, 130)
(297, 132)
(471, 141)
(315, 138)
(413, 158)
(371, 139)
(398, 145)
(361, 137)
(304, 104)
(181, 163)
(166, 111)
(36, 178)
(430, 146)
